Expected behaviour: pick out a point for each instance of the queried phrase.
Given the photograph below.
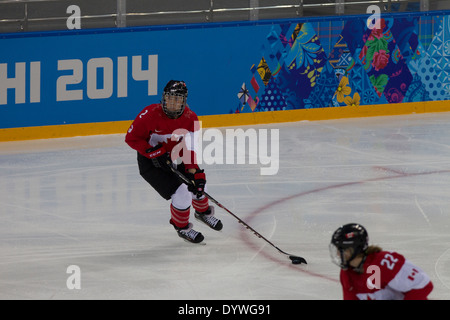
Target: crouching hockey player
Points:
(156, 131)
(369, 273)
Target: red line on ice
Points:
(245, 235)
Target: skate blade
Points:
(203, 243)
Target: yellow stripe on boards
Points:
(240, 119)
(63, 131)
(229, 120)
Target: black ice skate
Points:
(189, 234)
(208, 218)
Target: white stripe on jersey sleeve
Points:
(409, 277)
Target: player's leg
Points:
(205, 213)
(180, 217)
(170, 187)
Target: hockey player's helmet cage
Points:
(177, 89)
(351, 236)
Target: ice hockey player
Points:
(370, 273)
(158, 130)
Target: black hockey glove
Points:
(159, 156)
(199, 181)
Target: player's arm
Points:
(412, 281)
(419, 294)
(138, 134)
(137, 138)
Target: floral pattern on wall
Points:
(344, 63)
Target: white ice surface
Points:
(80, 201)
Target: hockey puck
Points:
(297, 260)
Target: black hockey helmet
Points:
(178, 89)
(347, 242)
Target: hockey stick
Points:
(294, 259)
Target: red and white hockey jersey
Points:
(386, 276)
(178, 136)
